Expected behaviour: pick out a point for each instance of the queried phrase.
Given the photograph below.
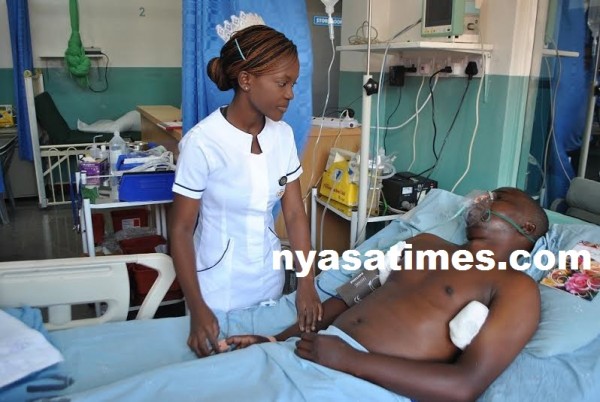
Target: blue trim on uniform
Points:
(291, 173)
(216, 263)
(191, 189)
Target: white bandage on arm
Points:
(466, 324)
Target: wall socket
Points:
(92, 50)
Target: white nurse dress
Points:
(235, 239)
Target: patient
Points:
(404, 324)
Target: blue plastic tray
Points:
(146, 186)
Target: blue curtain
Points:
(20, 38)
(201, 43)
(571, 97)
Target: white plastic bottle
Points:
(104, 157)
(117, 147)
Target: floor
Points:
(34, 234)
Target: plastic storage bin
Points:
(128, 218)
(98, 225)
(141, 277)
(146, 186)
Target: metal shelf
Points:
(474, 48)
(353, 219)
(560, 53)
(91, 56)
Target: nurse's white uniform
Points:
(235, 239)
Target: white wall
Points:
(115, 26)
(5, 55)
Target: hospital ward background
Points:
(503, 94)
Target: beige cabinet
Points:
(314, 158)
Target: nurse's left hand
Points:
(308, 305)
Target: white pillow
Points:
(23, 350)
(130, 121)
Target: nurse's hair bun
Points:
(257, 49)
(215, 72)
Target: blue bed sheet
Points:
(149, 360)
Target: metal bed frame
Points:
(55, 165)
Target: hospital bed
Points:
(148, 359)
(56, 149)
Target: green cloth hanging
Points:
(77, 62)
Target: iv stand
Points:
(363, 176)
(587, 134)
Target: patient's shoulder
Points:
(517, 288)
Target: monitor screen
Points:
(438, 12)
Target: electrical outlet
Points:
(92, 50)
(425, 69)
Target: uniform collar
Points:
(241, 140)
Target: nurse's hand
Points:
(243, 341)
(308, 305)
(204, 332)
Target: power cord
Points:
(415, 128)
(446, 69)
(360, 38)
(387, 123)
(476, 128)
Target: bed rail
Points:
(59, 164)
(62, 283)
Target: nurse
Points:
(233, 167)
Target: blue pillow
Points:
(567, 322)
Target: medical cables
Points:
(416, 127)
(375, 152)
(551, 132)
(476, 128)
(314, 155)
(439, 156)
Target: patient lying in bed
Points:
(396, 339)
(404, 324)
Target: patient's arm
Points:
(513, 318)
(332, 308)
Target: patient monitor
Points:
(455, 20)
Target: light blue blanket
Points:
(149, 360)
(265, 372)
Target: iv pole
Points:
(363, 176)
(587, 134)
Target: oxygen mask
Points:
(478, 209)
(478, 206)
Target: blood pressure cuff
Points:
(359, 287)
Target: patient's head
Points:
(257, 50)
(510, 217)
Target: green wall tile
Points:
(127, 88)
(497, 146)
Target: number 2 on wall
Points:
(142, 12)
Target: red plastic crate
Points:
(127, 218)
(98, 228)
(142, 278)
(141, 245)
(145, 277)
